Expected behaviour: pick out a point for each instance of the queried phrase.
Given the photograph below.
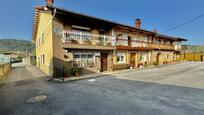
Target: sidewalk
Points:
(83, 77)
(36, 73)
(113, 73)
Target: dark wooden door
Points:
(129, 41)
(158, 58)
(104, 62)
(132, 59)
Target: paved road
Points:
(102, 96)
(21, 71)
(187, 74)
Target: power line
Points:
(191, 20)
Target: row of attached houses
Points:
(65, 38)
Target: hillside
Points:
(195, 48)
(13, 45)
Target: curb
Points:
(83, 78)
(90, 76)
(71, 79)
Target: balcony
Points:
(86, 40)
(178, 47)
(124, 44)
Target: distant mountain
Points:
(195, 48)
(13, 45)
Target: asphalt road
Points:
(102, 96)
(186, 74)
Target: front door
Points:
(132, 59)
(158, 60)
(104, 62)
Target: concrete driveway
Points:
(21, 71)
(187, 74)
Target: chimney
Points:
(49, 2)
(155, 31)
(137, 23)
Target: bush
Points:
(33, 62)
(146, 65)
(165, 62)
(75, 71)
(67, 70)
(155, 63)
(140, 64)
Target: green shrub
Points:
(155, 63)
(146, 65)
(75, 71)
(67, 70)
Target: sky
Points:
(16, 19)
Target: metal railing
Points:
(86, 38)
(143, 44)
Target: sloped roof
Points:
(36, 15)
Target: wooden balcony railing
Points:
(142, 44)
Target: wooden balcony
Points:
(82, 40)
(124, 44)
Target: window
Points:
(66, 57)
(119, 35)
(122, 39)
(80, 34)
(84, 59)
(43, 38)
(142, 57)
(164, 41)
(36, 44)
(42, 59)
(39, 42)
(38, 61)
(167, 56)
(121, 57)
(171, 42)
(159, 41)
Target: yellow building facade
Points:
(44, 42)
(66, 39)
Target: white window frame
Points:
(143, 57)
(80, 60)
(43, 38)
(42, 58)
(120, 55)
(39, 40)
(36, 43)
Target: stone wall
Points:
(4, 70)
(164, 56)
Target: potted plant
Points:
(140, 65)
(145, 65)
(131, 66)
(66, 71)
(75, 71)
